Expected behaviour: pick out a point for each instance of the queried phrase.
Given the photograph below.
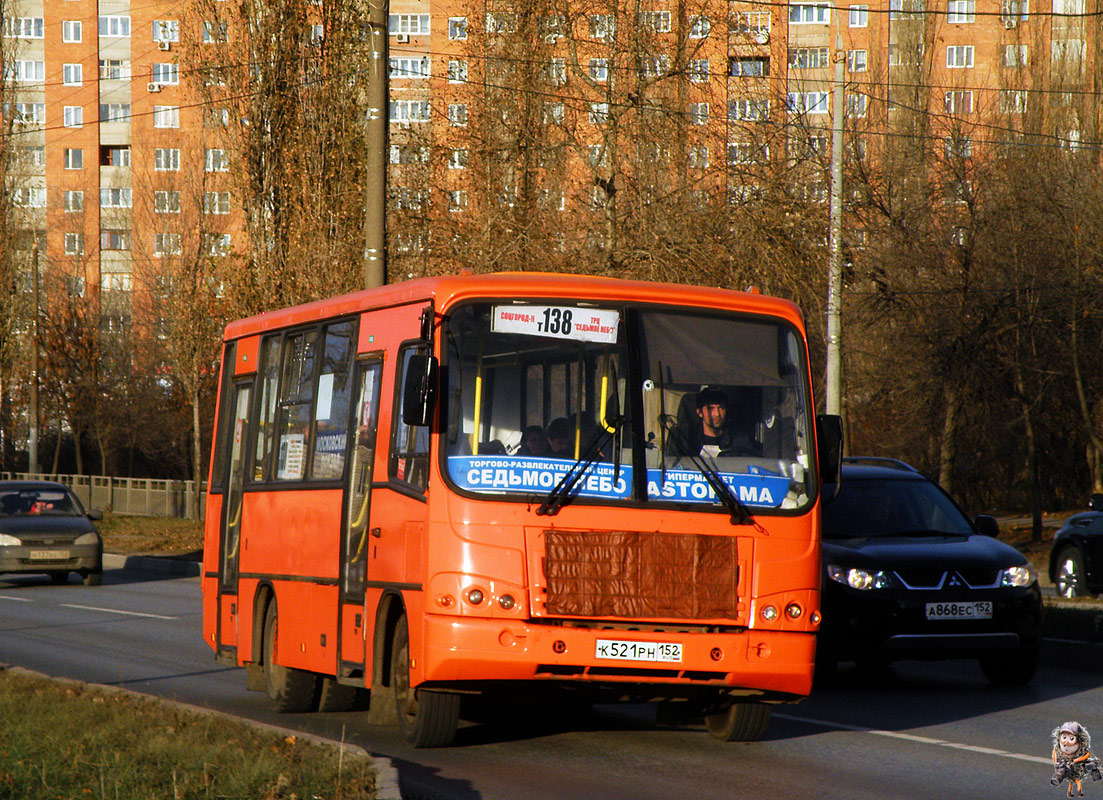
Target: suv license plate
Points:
(619, 650)
(978, 609)
(49, 555)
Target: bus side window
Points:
(264, 430)
(300, 355)
(225, 418)
(409, 461)
(331, 410)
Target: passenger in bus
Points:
(534, 442)
(561, 438)
(712, 434)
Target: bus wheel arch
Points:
(426, 717)
(289, 689)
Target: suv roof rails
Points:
(878, 461)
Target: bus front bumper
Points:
(476, 650)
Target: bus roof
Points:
(448, 289)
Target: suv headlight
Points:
(1023, 575)
(858, 578)
(87, 538)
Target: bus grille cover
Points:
(640, 575)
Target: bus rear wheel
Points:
(740, 722)
(426, 718)
(289, 689)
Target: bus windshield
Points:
(653, 404)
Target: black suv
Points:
(907, 574)
(1076, 558)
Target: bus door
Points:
(355, 541)
(230, 533)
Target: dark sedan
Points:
(907, 574)
(44, 529)
(1076, 557)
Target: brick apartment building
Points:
(116, 157)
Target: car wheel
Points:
(59, 577)
(92, 578)
(426, 718)
(1014, 668)
(1070, 574)
(289, 689)
(741, 722)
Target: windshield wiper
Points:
(561, 492)
(740, 514)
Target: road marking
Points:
(115, 611)
(911, 737)
(16, 599)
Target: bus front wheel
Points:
(289, 689)
(740, 722)
(426, 718)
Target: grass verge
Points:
(159, 536)
(64, 740)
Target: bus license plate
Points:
(619, 650)
(49, 555)
(978, 609)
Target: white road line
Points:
(114, 611)
(911, 737)
(16, 599)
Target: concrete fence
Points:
(146, 497)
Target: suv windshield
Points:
(652, 396)
(868, 507)
(20, 502)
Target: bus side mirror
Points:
(419, 393)
(829, 440)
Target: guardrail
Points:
(144, 497)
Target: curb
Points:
(386, 775)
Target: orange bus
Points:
(519, 483)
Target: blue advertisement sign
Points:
(534, 475)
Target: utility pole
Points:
(375, 183)
(834, 263)
(32, 444)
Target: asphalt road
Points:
(914, 731)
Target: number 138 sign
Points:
(558, 322)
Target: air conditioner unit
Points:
(153, 87)
(762, 37)
(402, 38)
(164, 44)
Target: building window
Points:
(857, 60)
(114, 26)
(1014, 55)
(166, 244)
(409, 154)
(754, 110)
(457, 115)
(808, 102)
(699, 27)
(698, 113)
(409, 24)
(24, 27)
(32, 156)
(959, 102)
(905, 9)
(457, 29)
(114, 69)
(115, 281)
(557, 72)
(114, 112)
(215, 160)
(457, 159)
(409, 110)
(72, 74)
(857, 105)
(74, 244)
(114, 240)
(959, 56)
(166, 159)
(29, 197)
(457, 71)
(809, 13)
(554, 113)
(859, 16)
(457, 200)
(1012, 11)
(602, 26)
(749, 67)
(599, 113)
(1068, 50)
(699, 70)
(26, 113)
(73, 116)
(216, 202)
(215, 32)
(115, 198)
(959, 147)
(216, 244)
(960, 12)
(165, 73)
(698, 158)
(747, 153)
(166, 202)
(599, 69)
(71, 30)
(809, 57)
(416, 68)
(1012, 101)
(166, 30)
(27, 71)
(502, 22)
(654, 66)
(166, 116)
(658, 21)
(74, 158)
(74, 200)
